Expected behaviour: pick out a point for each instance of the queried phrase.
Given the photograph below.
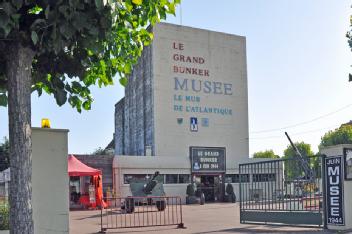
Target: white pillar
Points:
(50, 181)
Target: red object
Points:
(77, 168)
(84, 200)
(98, 184)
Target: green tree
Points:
(341, 135)
(4, 154)
(265, 154)
(63, 47)
(349, 36)
(293, 168)
(101, 151)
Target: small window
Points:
(171, 179)
(230, 178)
(160, 178)
(263, 177)
(244, 178)
(235, 178)
(129, 178)
(184, 179)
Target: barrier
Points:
(282, 191)
(137, 212)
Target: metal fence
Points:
(135, 212)
(282, 191)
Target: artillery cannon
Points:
(147, 191)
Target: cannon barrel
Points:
(303, 160)
(148, 187)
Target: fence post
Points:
(102, 230)
(240, 190)
(181, 224)
(323, 176)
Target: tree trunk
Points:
(18, 72)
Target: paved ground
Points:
(210, 218)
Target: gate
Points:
(136, 212)
(282, 191)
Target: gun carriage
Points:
(149, 191)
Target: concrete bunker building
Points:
(185, 112)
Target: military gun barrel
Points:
(151, 184)
(304, 160)
(293, 145)
(155, 175)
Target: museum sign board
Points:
(208, 159)
(334, 188)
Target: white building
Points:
(185, 112)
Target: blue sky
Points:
(298, 62)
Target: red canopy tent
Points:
(77, 168)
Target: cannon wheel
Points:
(129, 205)
(160, 205)
(202, 199)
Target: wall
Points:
(101, 162)
(151, 107)
(168, 165)
(134, 120)
(119, 127)
(50, 190)
(337, 150)
(221, 60)
(148, 165)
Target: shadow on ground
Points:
(268, 229)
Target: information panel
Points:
(208, 159)
(348, 163)
(334, 187)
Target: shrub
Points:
(190, 190)
(229, 189)
(4, 217)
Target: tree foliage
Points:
(293, 168)
(101, 151)
(4, 154)
(349, 36)
(78, 43)
(265, 154)
(341, 135)
(63, 47)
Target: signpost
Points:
(208, 159)
(334, 187)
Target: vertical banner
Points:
(334, 191)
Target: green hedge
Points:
(4, 217)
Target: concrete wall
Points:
(148, 109)
(134, 119)
(120, 127)
(148, 165)
(224, 58)
(337, 150)
(101, 162)
(50, 190)
(171, 165)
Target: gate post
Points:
(338, 152)
(240, 185)
(323, 176)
